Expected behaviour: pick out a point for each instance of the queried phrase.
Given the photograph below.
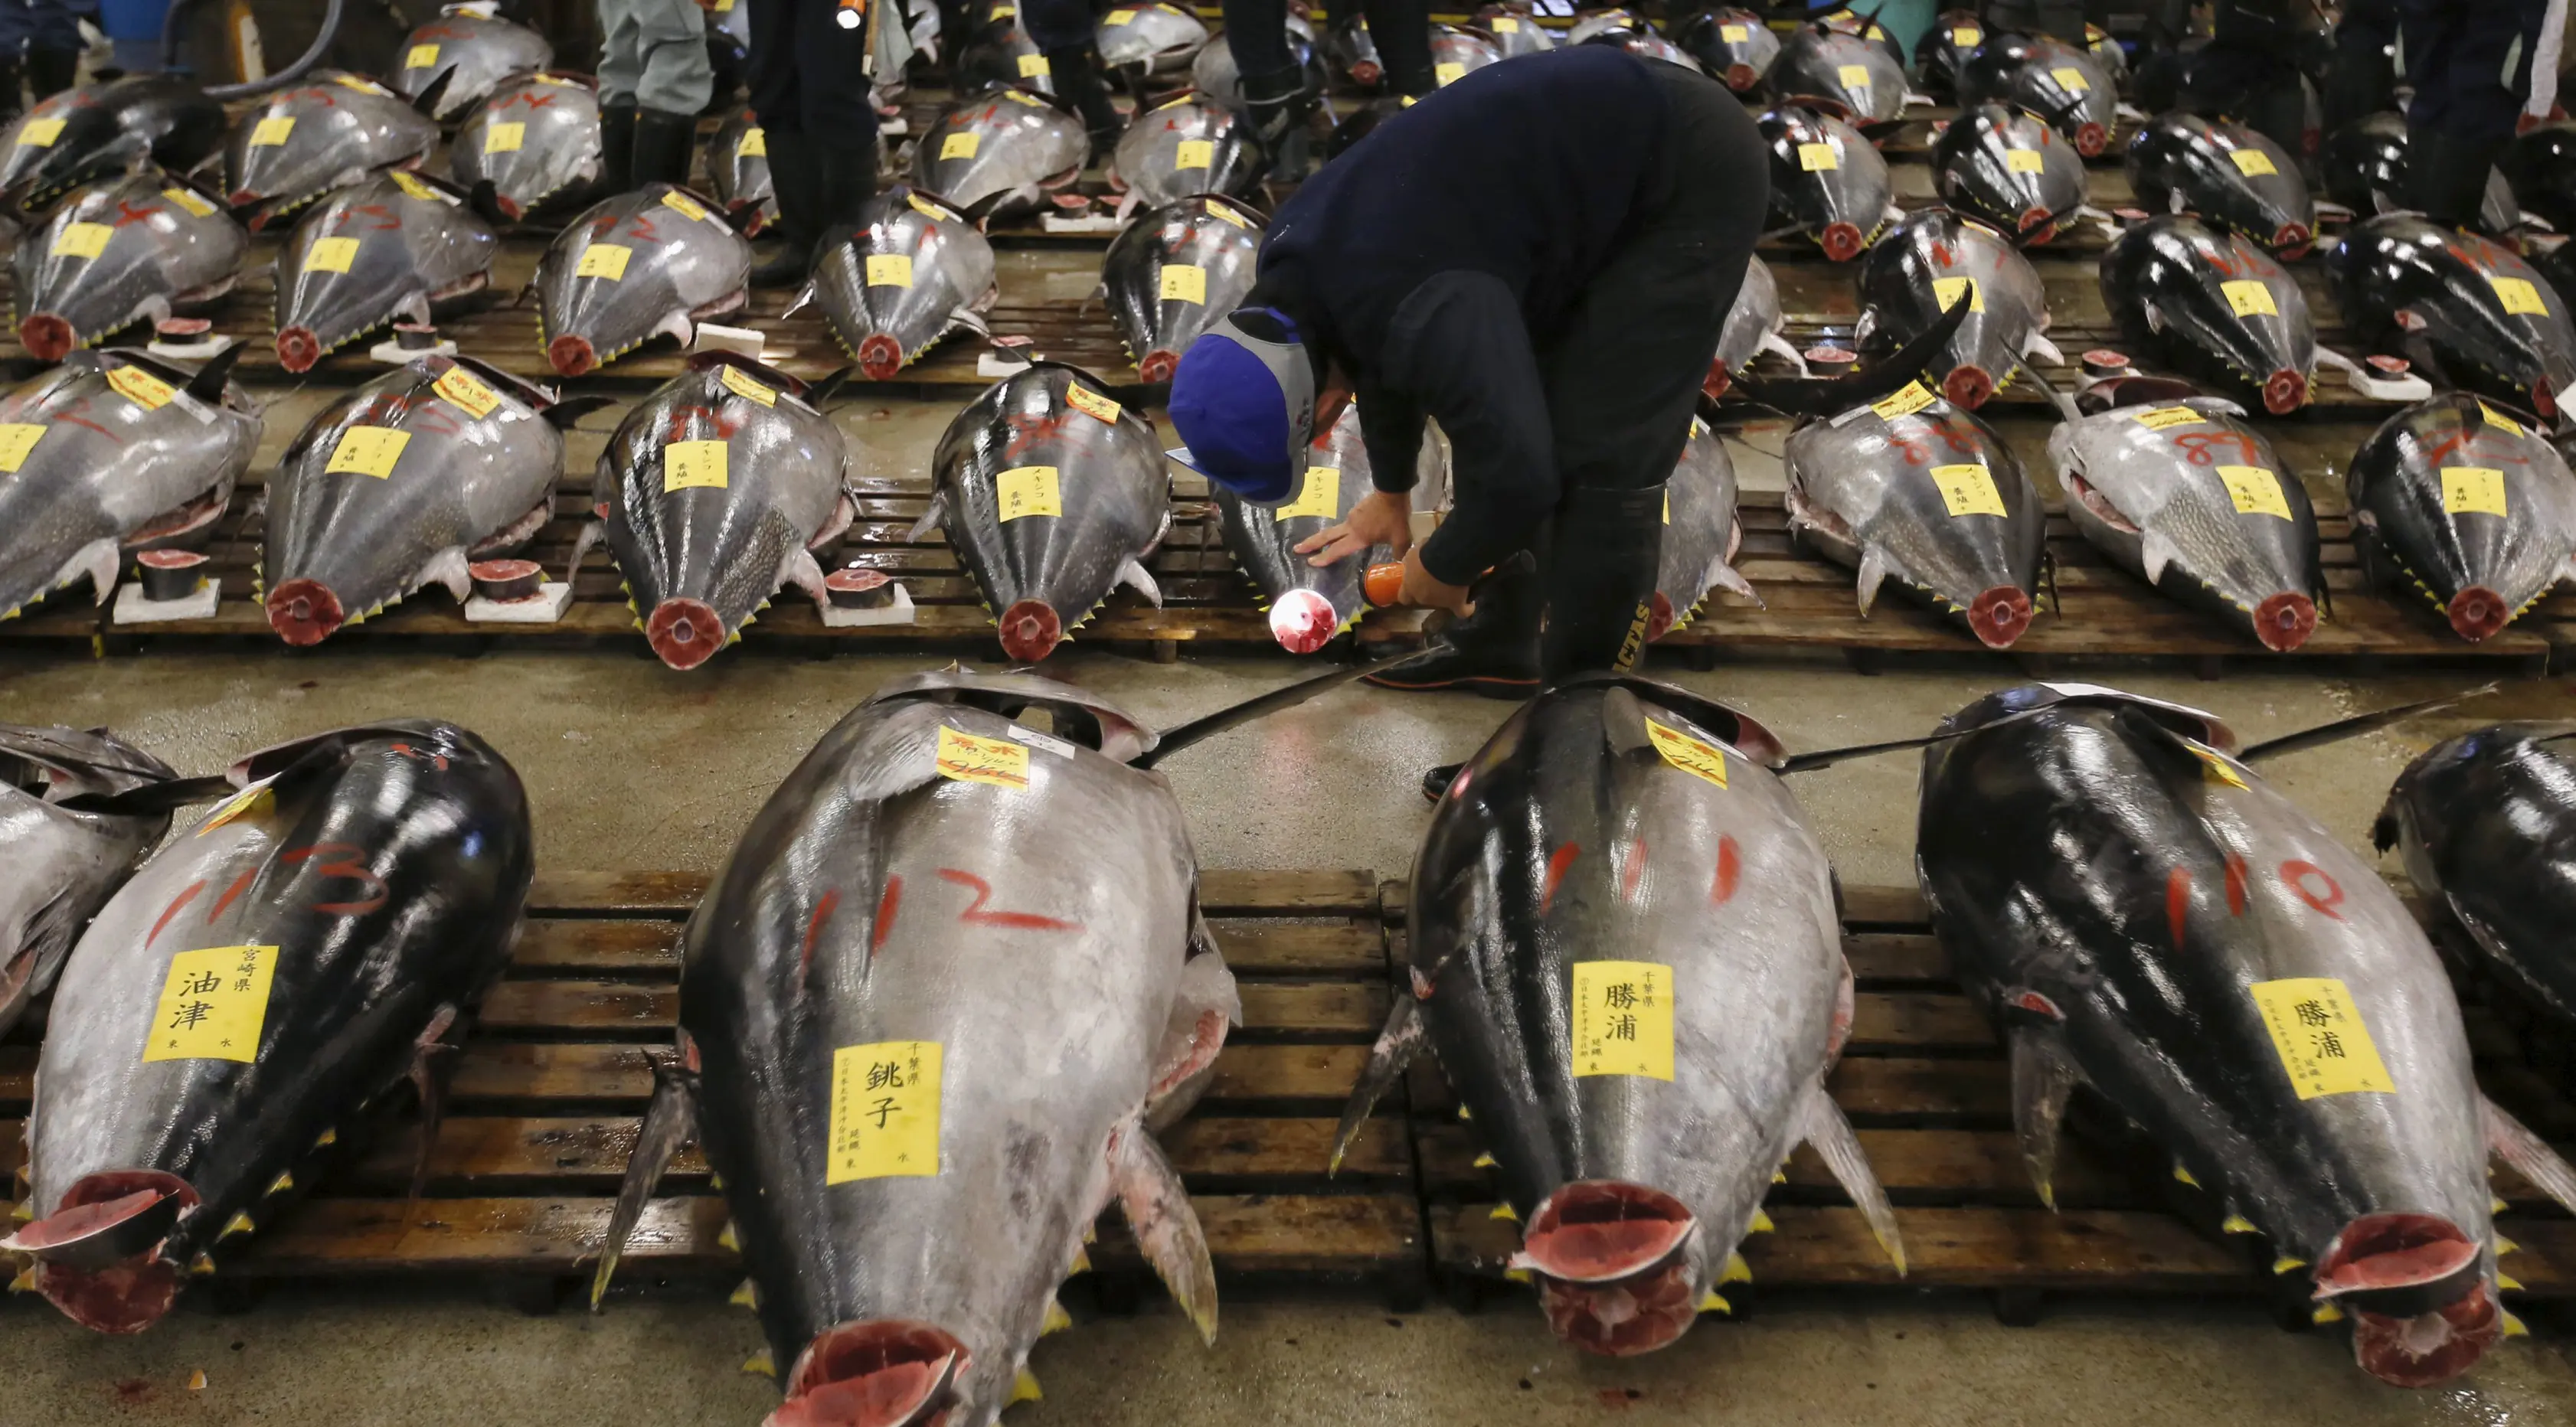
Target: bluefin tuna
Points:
(1930, 262)
(1175, 271)
(303, 142)
(314, 942)
(2141, 913)
(2213, 306)
(473, 51)
(911, 271)
(2489, 321)
(2008, 167)
(1514, 30)
(1826, 181)
(1001, 152)
(1702, 534)
(532, 148)
(2462, 506)
(118, 253)
(640, 265)
(2066, 83)
(1052, 494)
(397, 247)
(2229, 174)
(1001, 54)
(1155, 38)
(1733, 44)
(1941, 55)
(1183, 146)
(1354, 51)
(738, 172)
(2486, 824)
(64, 862)
(1817, 62)
(1457, 53)
(94, 130)
(1308, 604)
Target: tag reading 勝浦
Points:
(694, 465)
(1968, 488)
(1028, 490)
(1320, 496)
(213, 1005)
(2255, 490)
(1697, 757)
(2318, 1031)
(968, 758)
(885, 1111)
(367, 451)
(2472, 490)
(1623, 1018)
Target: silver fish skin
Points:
(1752, 327)
(2229, 174)
(1879, 494)
(1354, 52)
(738, 171)
(128, 459)
(2463, 506)
(374, 879)
(999, 153)
(879, 912)
(2195, 296)
(1847, 70)
(1050, 436)
(1154, 38)
(475, 50)
(396, 246)
(303, 142)
(474, 477)
(2188, 497)
(1003, 55)
(1733, 44)
(703, 544)
(1514, 30)
(911, 271)
(63, 864)
(674, 261)
(544, 164)
(1215, 74)
(1308, 604)
(2142, 913)
(1702, 533)
(1175, 271)
(90, 131)
(2057, 78)
(1457, 53)
(1926, 263)
(1619, 849)
(2007, 167)
(1184, 146)
(121, 252)
(1826, 180)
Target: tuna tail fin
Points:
(1823, 1126)
(2042, 1079)
(209, 382)
(2357, 725)
(1166, 1227)
(668, 1123)
(2066, 408)
(820, 394)
(428, 1049)
(1396, 1046)
(2530, 1156)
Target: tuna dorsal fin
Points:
(669, 1121)
(1166, 1228)
(209, 382)
(1822, 1125)
(567, 413)
(2042, 1079)
(427, 100)
(1396, 1046)
(1623, 723)
(2357, 725)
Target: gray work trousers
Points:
(654, 53)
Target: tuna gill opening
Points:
(885, 1373)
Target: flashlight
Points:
(851, 14)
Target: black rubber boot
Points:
(1076, 72)
(1600, 598)
(1279, 104)
(793, 174)
(616, 147)
(50, 72)
(665, 144)
(1493, 651)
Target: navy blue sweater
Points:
(1437, 257)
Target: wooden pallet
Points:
(548, 1094)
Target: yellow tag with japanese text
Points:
(2249, 298)
(606, 260)
(1967, 38)
(2071, 79)
(1183, 282)
(2165, 418)
(685, 206)
(1623, 1018)
(2025, 161)
(213, 1005)
(2214, 764)
(755, 143)
(2518, 296)
(1320, 496)
(2319, 1033)
(1028, 490)
(1691, 755)
(1818, 158)
(889, 269)
(1226, 212)
(960, 146)
(1726, 34)
(1907, 400)
(17, 441)
(241, 804)
(1035, 67)
(2253, 163)
(2255, 490)
(420, 57)
(40, 133)
(504, 138)
(1968, 488)
(367, 451)
(966, 758)
(411, 183)
(2472, 490)
(1091, 403)
(466, 393)
(330, 255)
(1119, 17)
(750, 388)
(1506, 25)
(187, 199)
(271, 131)
(141, 387)
(1194, 153)
(1444, 75)
(1946, 290)
(81, 240)
(2499, 420)
(693, 465)
(885, 1111)
(1854, 76)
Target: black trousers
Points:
(1058, 24)
(1258, 32)
(2470, 63)
(809, 75)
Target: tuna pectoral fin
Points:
(2042, 1078)
(1396, 1046)
(2530, 1157)
(669, 1122)
(44, 939)
(1137, 578)
(1873, 571)
(1823, 1126)
(2155, 551)
(1780, 347)
(803, 571)
(589, 535)
(99, 560)
(447, 569)
(1166, 1228)
(1193, 1034)
(429, 1050)
(1724, 576)
(930, 519)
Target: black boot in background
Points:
(665, 145)
(1278, 104)
(796, 180)
(1076, 72)
(616, 147)
(50, 72)
(1493, 651)
(1599, 601)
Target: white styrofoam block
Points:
(544, 607)
(205, 348)
(741, 341)
(900, 612)
(394, 354)
(1088, 223)
(133, 608)
(994, 364)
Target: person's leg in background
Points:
(621, 68)
(777, 103)
(1274, 87)
(2470, 61)
(1402, 30)
(53, 47)
(15, 20)
(1066, 31)
(837, 114)
(673, 89)
(2361, 79)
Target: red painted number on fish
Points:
(976, 916)
(71, 415)
(430, 756)
(127, 214)
(1730, 869)
(1559, 863)
(341, 865)
(186, 894)
(2296, 875)
(814, 928)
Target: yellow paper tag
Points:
(504, 138)
(1968, 489)
(606, 260)
(693, 465)
(960, 146)
(81, 240)
(968, 758)
(750, 388)
(360, 83)
(2253, 163)
(1028, 490)
(141, 387)
(238, 805)
(889, 270)
(466, 393)
(1907, 400)
(190, 201)
(16, 441)
(1321, 495)
(421, 57)
(2255, 490)
(213, 1005)
(1023, 97)
(1184, 283)
(367, 451)
(1818, 158)
(1946, 290)
(722, 7)
(2519, 296)
(1728, 34)
(40, 133)
(330, 255)
(411, 183)
(684, 205)
(1445, 75)
(755, 143)
(2499, 420)
(1227, 213)
(2025, 161)
(271, 131)
(1691, 755)
(885, 1111)
(1119, 17)
(1967, 38)
(1034, 67)
(2472, 490)
(2318, 1031)
(2163, 418)
(1194, 153)
(1623, 1018)
(1506, 25)
(925, 207)
(1854, 76)
(2071, 79)
(2215, 767)
(2249, 298)
(1091, 403)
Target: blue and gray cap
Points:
(1243, 400)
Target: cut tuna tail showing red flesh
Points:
(1659, 620)
(1968, 387)
(1841, 241)
(1999, 616)
(880, 357)
(887, 1373)
(46, 337)
(98, 1253)
(2478, 612)
(1718, 380)
(2422, 1311)
(1302, 621)
(304, 612)
(571, 355)
(1157, 366)
(2284, 392)
(2285, 621)
(298, 349)
(1612, 1277)
(1030, 630)
(686, 633)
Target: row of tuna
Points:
(1626, 956)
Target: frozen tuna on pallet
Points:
(2045, 76)
(398, 247)
(1457, 53)
(267, 978)
(2460, 505)
(473, 51)
(1826, 181)
(1941, 54)
(1624, 953)
(1701, 535)
(1183, 146)
(911, 271)
(641, 265)
(2180, 492)
(738, 172)
(109, 454)
(2364, 165)
(66, 853)
(1052, 494)
(1817, 62)
(1914, 490)
(1512, 28)
(303, 142)
(1733, 44)
(2213, 306)
(1150, 39)
(2007, 167)
(2486, 318)
(1175, 271)
(119, 253)
(1002, 152)
(2488, 833)
(2229, 174)
(90, 132)
(401, 485)
(1932, 261)
(1215, 74)
(954, 974)
(532, 148)
(2142, 914)
(715, 493)
(1308, 604)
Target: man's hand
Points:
(1381, 518)
(1423, 589)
